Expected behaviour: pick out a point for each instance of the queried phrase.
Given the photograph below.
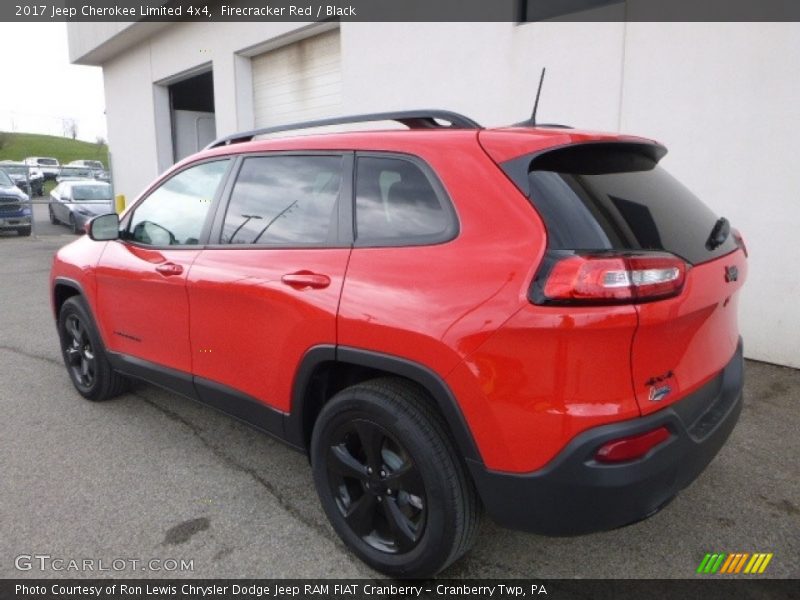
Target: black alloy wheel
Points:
(79, 353)
(84, 354)
(377, 486)
(390, 479)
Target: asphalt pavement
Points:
(152, 476)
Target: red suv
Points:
(536, 321)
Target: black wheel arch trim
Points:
(66, 282)
(78, 287)
(428, 379)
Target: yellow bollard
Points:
(119, 203)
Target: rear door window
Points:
(284, 201)
(606, 197)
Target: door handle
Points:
(169, 268)
(306, 279)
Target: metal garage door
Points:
(298, 82)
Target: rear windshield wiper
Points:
(720, 233)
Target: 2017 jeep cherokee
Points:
(538, 321)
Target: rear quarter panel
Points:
(548, 374)
(436, 304)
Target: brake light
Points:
(737, 237)
(598, 279)
(631, 448)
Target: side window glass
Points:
(395, 201)
(175, 212)
(284, 200)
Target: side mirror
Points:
(104, 228)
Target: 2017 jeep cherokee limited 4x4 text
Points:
(538, 321)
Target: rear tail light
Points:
(610, 279)
(631, 448)
(737, 237)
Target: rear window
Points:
(91, 192)
(48, 162)
(284, 201)
(615, 197)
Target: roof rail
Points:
(413, 119)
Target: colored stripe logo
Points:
(737, 562)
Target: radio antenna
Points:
(538, 93)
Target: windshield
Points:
(77, 172)
(91, 192)
(5, 180)
(15, 170)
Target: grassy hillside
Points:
(16, 146)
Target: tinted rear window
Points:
(606, 197)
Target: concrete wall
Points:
(722, 97)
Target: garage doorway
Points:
(192, 117)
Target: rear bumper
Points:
(574, 494)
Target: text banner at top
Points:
(510, 11)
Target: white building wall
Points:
(131, 120)
(725, 99)
(722, 97)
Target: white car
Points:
(89, 164)
(50, 166)
(98, 168)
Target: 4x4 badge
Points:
(731, 273)
(659, 392)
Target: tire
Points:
(415, 512)
(53, 219)
(24, 231)
(73, 225)
(84, 354)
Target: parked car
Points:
(89, 164)
(29, 179)
(50, 166)
(98, 169)
(75, 203)
(538, 320)
(75, 173)
(15, 208)
(102, 176)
